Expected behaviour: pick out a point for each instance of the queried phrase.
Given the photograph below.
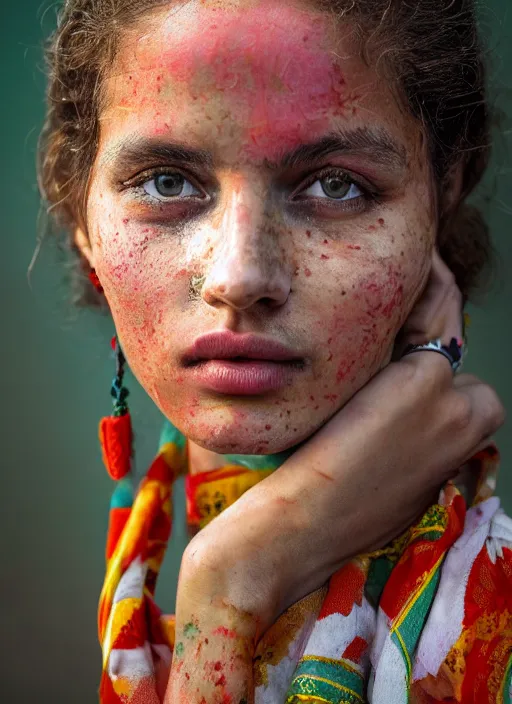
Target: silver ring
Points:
(454, 352)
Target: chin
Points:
(229, 440)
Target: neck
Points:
(201, 460)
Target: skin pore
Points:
(300, 191)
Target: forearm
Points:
(214, 648)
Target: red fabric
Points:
(116, 523)
(355, 650)
(420, 557)
(345, 590)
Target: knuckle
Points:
(492, 409)
(428, 373)
(460, 410)
(409, 370)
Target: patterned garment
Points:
(427, 619)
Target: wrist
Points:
(225, 579)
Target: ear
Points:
(84, 245)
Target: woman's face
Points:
(248, 144)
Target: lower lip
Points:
(243, 378)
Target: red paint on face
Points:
(244, 85)
(247, 56)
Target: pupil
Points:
(335, 187)
(169, 184)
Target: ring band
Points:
(453, 352)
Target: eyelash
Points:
(368, 195)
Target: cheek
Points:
(359, 319)
(143, 281)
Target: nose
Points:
(249, 262)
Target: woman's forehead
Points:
(252, 79)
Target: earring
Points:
(115, 431)
(93, 278)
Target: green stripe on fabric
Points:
(122, 496)
(316, 686)
(329, 680)
(507, 683)
(406, 635)
(171, 434)
(260, 461)
(378, 574)
(430, 535)
(331, 670)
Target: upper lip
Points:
(227, 345)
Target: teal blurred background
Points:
(55, 376)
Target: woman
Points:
(271, 198)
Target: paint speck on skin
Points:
(179, 650)
(190, 630)
(226, 632)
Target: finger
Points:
(462, 380)
(438, 313)
(481, 413)
(430, 365)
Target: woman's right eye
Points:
(170, 185)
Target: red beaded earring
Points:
(115, 431)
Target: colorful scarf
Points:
(426, 619)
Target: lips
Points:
(228, 345)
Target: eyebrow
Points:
(128, 155)
(374, 143)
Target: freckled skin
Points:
(335, 286)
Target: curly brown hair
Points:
(430, 49)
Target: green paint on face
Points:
(190, 630)
(179, 649)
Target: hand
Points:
(354, 485)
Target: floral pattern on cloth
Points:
(425, 620)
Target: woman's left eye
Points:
(169, 185)
(334, 186)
